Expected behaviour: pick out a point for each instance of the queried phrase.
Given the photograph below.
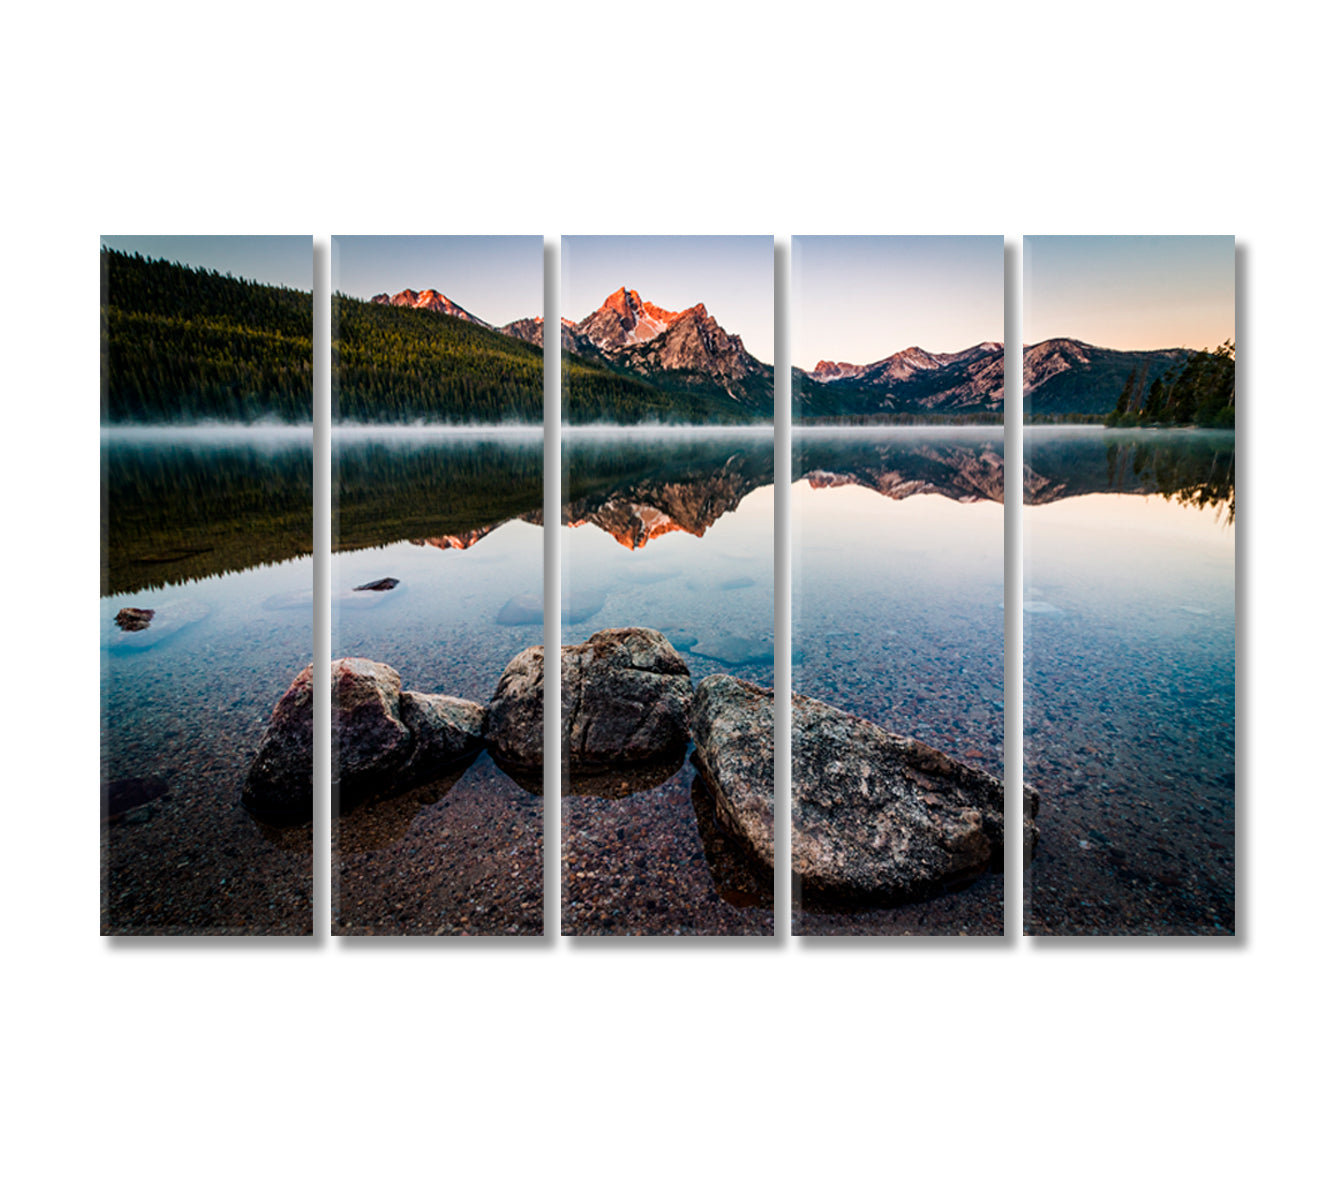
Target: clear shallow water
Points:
(898, 563)
(673, 530)
(1129, 684)
(186, 701)
(455, 517)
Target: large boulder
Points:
(444, 729)
(514, 728)
(875, 816)
(384, 740)
(370, 740)
(625, 698)
(279, 786)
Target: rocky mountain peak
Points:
(431, 300)
(625, 319)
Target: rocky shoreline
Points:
(877, 819)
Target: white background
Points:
(899, 1068)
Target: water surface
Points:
(898, 564)
(1129, 680)
(211, 529)
(455, 516)
(673, 530)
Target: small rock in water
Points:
(679, 638)
(167, 620)
(387, 584)
(121, 796)
(528, 609)
(1041, 606)
(134, 619)
(733, 650)
(521, 610)
(579, 606)
(288, 601)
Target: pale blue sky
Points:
(861, 299)
(733, 277)
(1131, 293)
(498, 279)
(281, 261)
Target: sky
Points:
(498, 279)
(861, 299)
(281, 261)
(733, 277)
(1131, 293)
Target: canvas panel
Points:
(436, 583)
(1129, 584)
(206, 606)
(667, 536)
(898, 585)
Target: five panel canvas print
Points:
(667, 529)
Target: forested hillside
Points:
(181, 344)
(408, 364)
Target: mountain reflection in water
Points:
(897, 583)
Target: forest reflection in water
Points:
(1129, 680)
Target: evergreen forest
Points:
(396, 364)
(1203, 391)
(183, 344)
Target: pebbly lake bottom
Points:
(184, 704)
(1129, 716)
(642, 854)
(897, 584)
(461, 855)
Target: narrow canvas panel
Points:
(1129, 583)
(206, 590)
(898, 574)
(667, 600)
(437, 585)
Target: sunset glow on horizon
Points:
(1131, 293)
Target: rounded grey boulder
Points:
(875, 816)
(384, 740)
(625, 698)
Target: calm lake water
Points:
(456, 518)
(673, 530)
(211, 529)
(1129, 680)
(898, 574)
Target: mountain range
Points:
(1062, 376)
(696, 369)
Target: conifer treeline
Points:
(1203, 392)
(183, 344)
(399, 364)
